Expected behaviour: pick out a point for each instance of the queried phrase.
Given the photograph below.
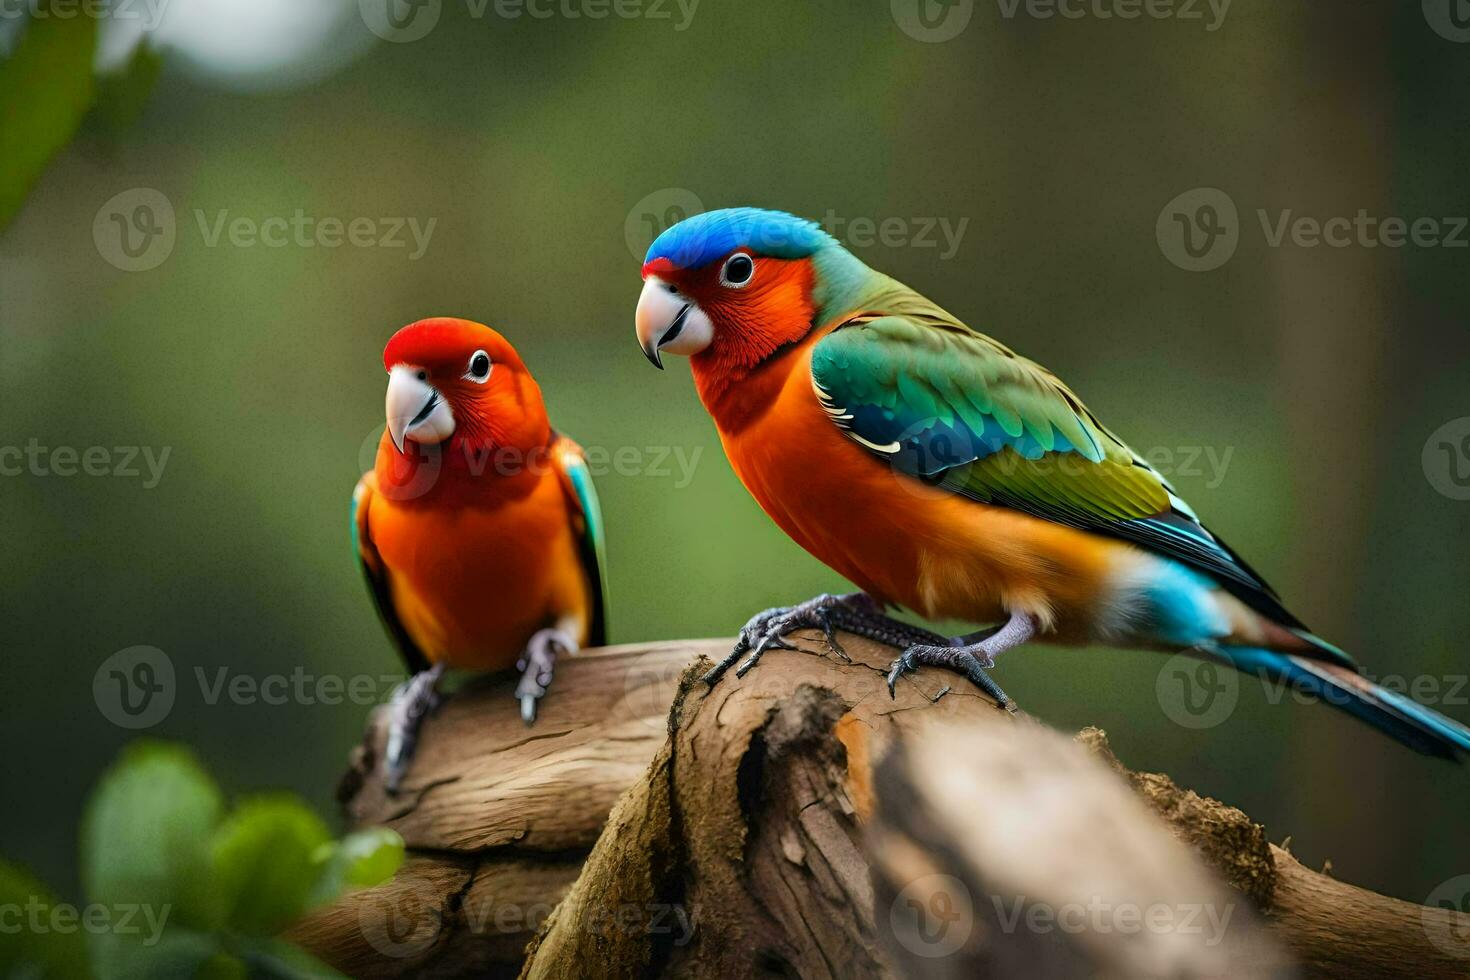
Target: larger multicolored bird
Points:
(938, 470)
(478, 527)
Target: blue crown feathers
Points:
(703, 238)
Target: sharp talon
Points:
(832, 642)
(528, 708)
(713, 675)
(942, 692)
(894, 673)
(410, 704)
(750, 662)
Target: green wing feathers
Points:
(578, 481)
(950, 406)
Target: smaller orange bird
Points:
(478, 528)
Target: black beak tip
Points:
(653, 358)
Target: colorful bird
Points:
(940, 471)
(478, 528)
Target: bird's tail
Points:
(1336, 682)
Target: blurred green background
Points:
(537, 145)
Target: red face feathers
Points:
(459, 387)
(731, 289)
(755, 306)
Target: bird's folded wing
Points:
(948, 405)
(377, 574)
(571, 465)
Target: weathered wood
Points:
(772, 826)
(1332, 929)
(497, 817)
(799, 821)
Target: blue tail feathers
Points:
(1391, 712)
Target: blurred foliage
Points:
(176, 886)
(35, 953)
(52, 65)
(536, 144)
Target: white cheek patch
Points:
(694, 336)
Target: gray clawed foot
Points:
(767, 631)
(411, 703)
(957, 659)
(537, 666)
(969, 655)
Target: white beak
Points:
(415, 409)
(669, 321)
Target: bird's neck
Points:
(460, 470)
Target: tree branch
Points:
(799, 821)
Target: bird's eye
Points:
(738, 271)
(479, 371)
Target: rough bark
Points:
(801, 822)
(497, 817)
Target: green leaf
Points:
(31, 943)
(267, 857)
(46, 88)
(146, 835)
(360, 860)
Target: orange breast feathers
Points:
(471, 580)
(897, 539)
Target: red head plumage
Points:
(460, 387)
